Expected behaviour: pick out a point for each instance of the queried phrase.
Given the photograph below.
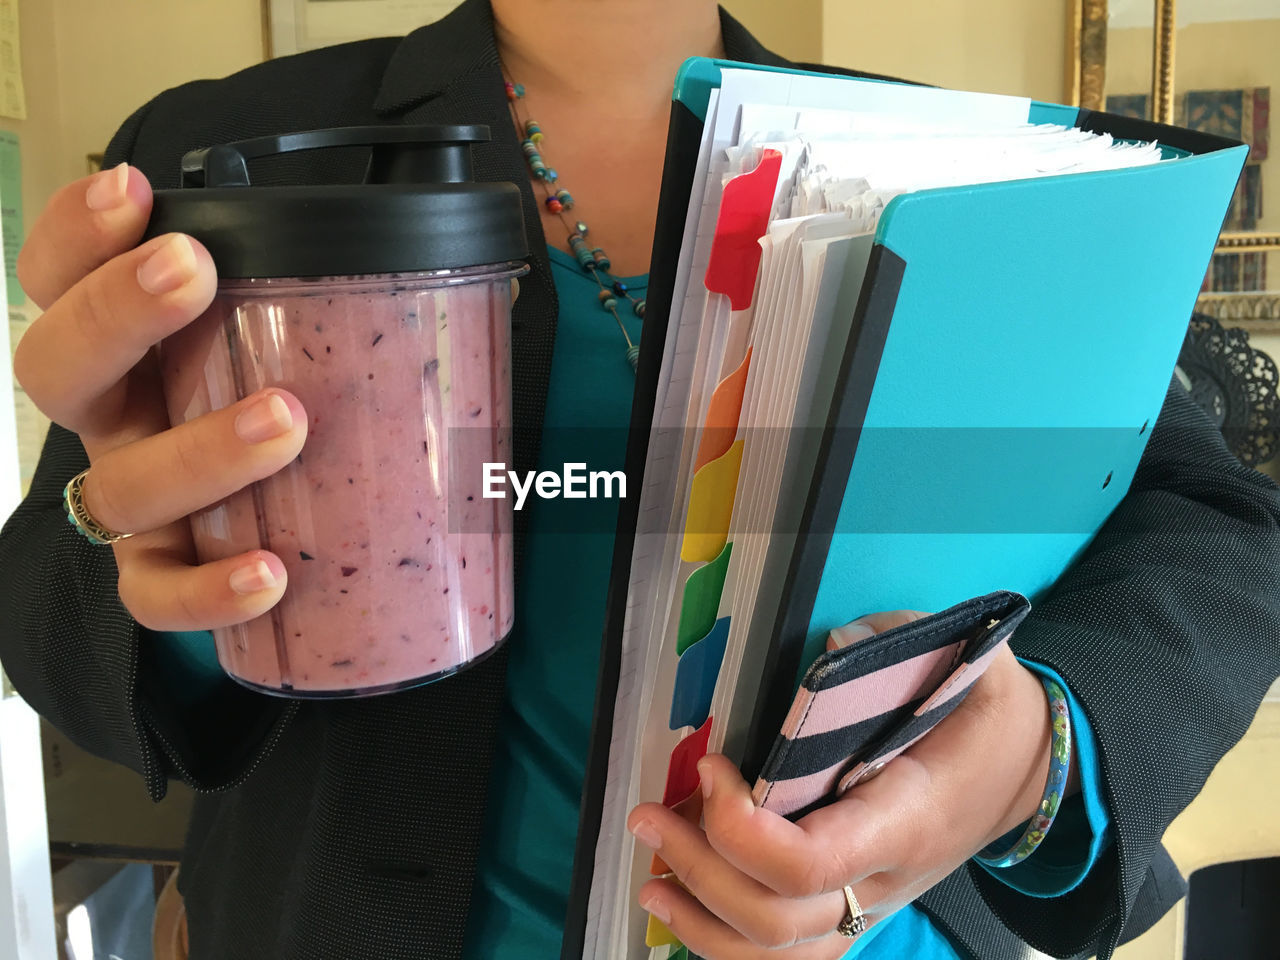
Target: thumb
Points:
(869, 626)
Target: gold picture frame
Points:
(1086, 53)
(1164, 46)
(267, 46)
(1086, 83)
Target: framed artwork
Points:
(291, 26)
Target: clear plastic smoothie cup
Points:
(385, 309)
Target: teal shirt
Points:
(522, 881)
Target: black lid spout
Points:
(442, 162)
(401, 154)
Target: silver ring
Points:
(855, 922)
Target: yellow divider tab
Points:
(657, 934)
(706, 529)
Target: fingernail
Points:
(647, 834)
(253, 578)
(264, 420)
(704, 774)
(108, 189)
(850, 634)
(659, 909)
(169, 267)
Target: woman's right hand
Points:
(88, 364)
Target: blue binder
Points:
(1032, 325)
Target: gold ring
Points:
(855, 922)
(78, 514)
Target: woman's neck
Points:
(598, 75)
(618, 55)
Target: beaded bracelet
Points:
(1059, 765)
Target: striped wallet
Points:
(860, 706)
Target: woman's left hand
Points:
(756, 885)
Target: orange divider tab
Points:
(743, 220)
(706, 528)
(723, 415)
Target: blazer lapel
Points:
(740, 45)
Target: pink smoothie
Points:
(399, 570)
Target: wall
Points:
(792, 28)
(86, 67)
(40, 145)
(999, 46)
(110, 63)
(41, 133)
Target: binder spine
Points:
(678, 174)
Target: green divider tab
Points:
(701, 600)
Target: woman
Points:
(440, 822)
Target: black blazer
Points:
(349, 829)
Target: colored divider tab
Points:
(744, 218)
(682, 772)
(690, 810)
(706, 529)
(657, 934)
(723, 415)
(701, 600)
(681, 954)
(696, 675)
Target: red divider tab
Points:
(682, 774)
(744, 217)
(690, 809)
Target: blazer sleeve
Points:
(76, 655)
(1167, 630)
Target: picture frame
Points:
(1086, 53)
(1086, 84)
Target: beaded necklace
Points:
(593, 260)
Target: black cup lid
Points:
(417, 209)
